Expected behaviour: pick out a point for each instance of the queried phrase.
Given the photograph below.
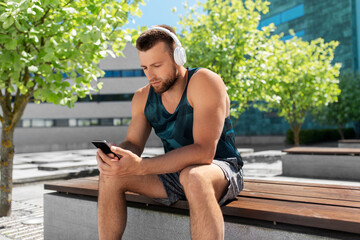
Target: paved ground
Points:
(32, 170)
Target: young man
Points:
(189, 111)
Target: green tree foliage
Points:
(225, 39)
(39, 41)
(347, 108)
(299, 76)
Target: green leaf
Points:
(30, 84)
(8, 22)
(11, 45)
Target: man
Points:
(189, 111)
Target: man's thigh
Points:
(147, 185)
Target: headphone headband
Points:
(179, 52)
(171, 34)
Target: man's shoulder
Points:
(205, 78)
(141, 95)
(205, 84)
(142, 92)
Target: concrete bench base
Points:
(344, 167)
(355, 143)
(69, 217)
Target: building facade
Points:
(328, 19)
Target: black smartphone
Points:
(104, 146)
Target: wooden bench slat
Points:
(304, 191)
(297, 183)
(88, 187)
(303, 214)
(282, 197)
(350, 141)
(322, 150)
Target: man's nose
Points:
(150, 75)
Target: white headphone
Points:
(179, 52)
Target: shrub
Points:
(319, 135)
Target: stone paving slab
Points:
(24, 166)
(67, 165)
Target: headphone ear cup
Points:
(180, 56)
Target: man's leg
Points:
(112, 212)
(204, 185)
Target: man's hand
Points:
(127, 165)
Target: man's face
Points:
(159, 67)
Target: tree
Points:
(346, 109)
(299, 77)
(225, 39)
(40, 41)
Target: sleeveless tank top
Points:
(176, 130)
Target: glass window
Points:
(292, 13)
(298, 34)
(26, 123)
(62, 122)
(38, 123)
(124, 73)
(139, 73)
(284, 16)
(126, 121)
(72, 122)
(49, 123)
(94, 122)
(106, 122)
(127, 73)
(83, 122)
(116, 74)
(108, 73)
(116, 121)
(274, 19)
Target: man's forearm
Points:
(177, 160)
(131, 147)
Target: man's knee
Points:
(194, 181)
(115, 184)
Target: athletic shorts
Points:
(231, 171)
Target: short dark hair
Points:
(151, 37)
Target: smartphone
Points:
(104, 146)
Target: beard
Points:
(167, 82)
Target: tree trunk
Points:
(7, 156)
(341, 132)
(296, 131)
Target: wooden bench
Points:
(324, 162)
(264, 210)
(349, 143)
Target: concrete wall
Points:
(348, 145)
(321, 166)
(69, 218)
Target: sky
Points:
(159, 12)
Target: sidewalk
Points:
(32, 170)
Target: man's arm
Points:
(208, 97)
(139, 129)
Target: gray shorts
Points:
(231, 171)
